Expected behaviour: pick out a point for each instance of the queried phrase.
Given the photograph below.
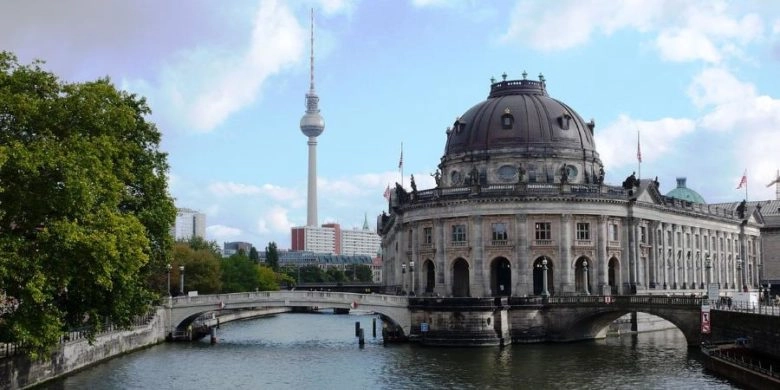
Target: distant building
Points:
(330, 238)
(321, 260)
(376, 270)
(231, 248)
(189, 223)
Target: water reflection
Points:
(321, 351)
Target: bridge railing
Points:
(645, 300)
(224, 300)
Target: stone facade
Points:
(521, 199)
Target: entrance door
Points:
(430, 276)
(614, 275)
(460, 278)
(501, 277)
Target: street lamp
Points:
(168, 267)
(585, 268)
(403, 278)
(545, 293)
(411, 271)
(739, 270)
(181, 279)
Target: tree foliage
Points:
(84, 207)
(239, 274)
(202, 269)
(272, 256)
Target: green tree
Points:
(272, 256)
(364, 273)
(84, 208)
(239, 274)
(335, 275)
(253, 255)
(202, 269)
(199, 243)
(267, 279)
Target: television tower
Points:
(312, 125)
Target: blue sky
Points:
(226, 82)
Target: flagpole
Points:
(401, 164)
(638, 155)
(746, 186)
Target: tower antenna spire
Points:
(311, 58)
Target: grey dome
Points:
(519, 115)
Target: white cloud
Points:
(680, 45)
(776, 27)
(204, 85)
(278, 193)
(685, 31)
(331, 7)
(734, 106)
(274, 220)
(617, 143)
(731, 104)
(562, 25)
(222, 232)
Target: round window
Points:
(507, 173)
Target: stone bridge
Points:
(504, 320)
(583, 317)
(465, 321)
(182, 311)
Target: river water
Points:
(320, 351)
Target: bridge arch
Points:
(182, 311)
(585, 321)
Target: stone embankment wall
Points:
(762, 330)
(18, 372)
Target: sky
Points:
(699, 81)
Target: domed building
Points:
(520, 208)
(682, 192)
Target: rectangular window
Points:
(499, 232)
(643, 234)
(668, 238)
(679, 239)
(583, 231)
(458, 233)
(696, 241)
(543, 231)
(613, 232)
(428, 235)
(688, 240)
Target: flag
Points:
(387, 192)
(401, 160)
(638, 149)
(743, 181)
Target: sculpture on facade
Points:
(413, 184)
(564, 174)
(630, 182)
(437, 178)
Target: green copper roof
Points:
(684, 193)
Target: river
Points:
(320, 351)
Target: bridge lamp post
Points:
(181, 279)
(739, 271)
(545, 293)
(585, 268)
(168, 267)
(411, 271)
(403, 277)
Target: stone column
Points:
(628, 245)
(522, 272)
(565, 244)
(664, 256)
(685, 257)
(440, 246)
(676, 253)
(602, 263)
(478, 283)
(414, 273)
